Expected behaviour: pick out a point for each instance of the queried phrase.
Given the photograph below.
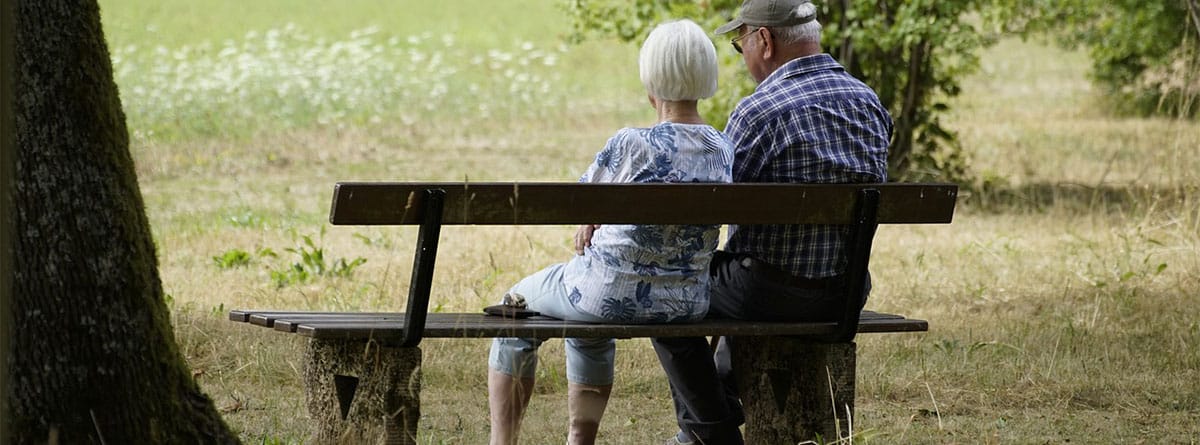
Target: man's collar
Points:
(803, 65)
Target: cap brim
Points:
(732, 25)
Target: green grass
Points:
(481, 23)
(1061, 300)
(267, 67)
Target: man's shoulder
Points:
(779, 98)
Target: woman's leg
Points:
(507, 398)
(590, 363)
(513, 361)
(585, 405)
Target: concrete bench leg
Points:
(793, 391)
(363, 393)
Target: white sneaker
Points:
(675, 440)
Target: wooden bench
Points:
(797, 379)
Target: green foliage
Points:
(913, 53)
(1145, 54)
(232, 258)
(631, 23)
(311, 264)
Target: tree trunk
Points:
(910, 109)
(93, 358)
(8, 145)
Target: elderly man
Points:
(808, 121)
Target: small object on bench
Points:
(506, 311)
(363, 371)
(511, 306)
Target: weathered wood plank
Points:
(269, 319)
(387, 327)
(379, 203)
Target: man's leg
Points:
(703, 411)
(706, 409)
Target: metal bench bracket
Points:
(423, 262)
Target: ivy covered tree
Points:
(912, 52)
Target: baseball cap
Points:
(768, 13)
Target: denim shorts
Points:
(590, 361)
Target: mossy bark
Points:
(794, 391)
(8, 146)
(93, 357)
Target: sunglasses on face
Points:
(738, 46)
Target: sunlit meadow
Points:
(286, 78)
(1062, 301)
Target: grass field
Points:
(1063, 299)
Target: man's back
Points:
(808, 122)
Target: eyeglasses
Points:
(737, 46)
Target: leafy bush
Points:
(1145, 54)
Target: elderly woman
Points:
(625, 273)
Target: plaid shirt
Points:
(808, 122)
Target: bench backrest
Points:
(383, 203)
(431, 205)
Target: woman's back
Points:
(651, 273)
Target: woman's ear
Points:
(653, 102)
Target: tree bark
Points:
(8, 146)
(910, 108)
(93, 358)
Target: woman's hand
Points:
(583, 237)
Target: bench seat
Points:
(388, 327)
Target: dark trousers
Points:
(703, 382)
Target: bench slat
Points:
(390, 203)
(271, 319)
(388, 327)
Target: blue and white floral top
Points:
(651, 273)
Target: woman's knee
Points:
(515, 356)
(591, 361)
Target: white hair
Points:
(678, 62)
(804, 32)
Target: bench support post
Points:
(794, 390)
(862, 232)
(360, 392)
(422, 273)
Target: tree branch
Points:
(1194, 9)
